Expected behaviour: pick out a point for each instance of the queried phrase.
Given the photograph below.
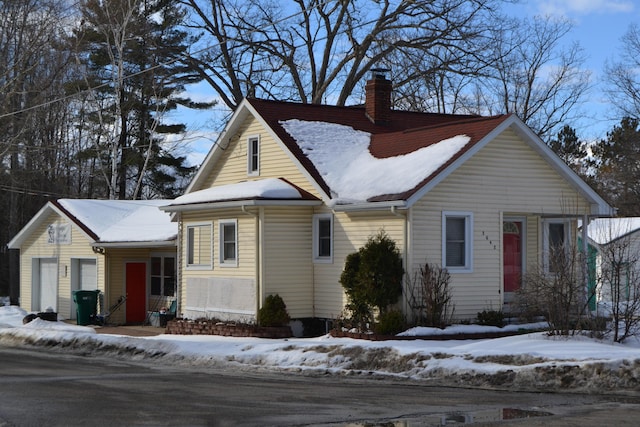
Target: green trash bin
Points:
(86, 306)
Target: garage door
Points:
(45, 293)
(88, 276)
(84, 277)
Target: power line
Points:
(152, 68)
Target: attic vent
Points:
(378, 97)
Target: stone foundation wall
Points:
(207, 327)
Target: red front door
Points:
(512, 255)
(136, 283)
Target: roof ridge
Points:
(467, 120)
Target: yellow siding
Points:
(506, 178)
(231, 168)
(287, 258)
(245, 271)
(351, 231)
(37, 246)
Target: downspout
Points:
(585, 263)
(405, 252)
(179, 266)
(258, 254)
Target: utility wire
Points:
(162, 64)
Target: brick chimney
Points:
(378, 98)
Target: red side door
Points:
(136, 287)
(512, 255)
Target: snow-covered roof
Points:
(606, 230)
(341, 155)
(123, 220)
(260, 189)
(109, 221)
(353, 163)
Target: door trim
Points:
(508, 296)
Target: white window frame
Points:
(468, 241)
(222, 237)
(202, 266)
(163, 261)
(545, 238)
(251, 153)
(317, 258)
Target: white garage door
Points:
(84, 277)
(46, 288)
(88, 275)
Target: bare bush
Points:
(556, 290)
(430, 296)
(619, 279)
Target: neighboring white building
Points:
(120, 247)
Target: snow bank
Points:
(532, 361)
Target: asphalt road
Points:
(48, 389)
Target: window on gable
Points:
(323, 238)
(253, 156)
(228, 243)
(199, 246)
(163, 276)
(457, 241)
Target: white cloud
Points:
(584, 7)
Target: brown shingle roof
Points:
(406, 133)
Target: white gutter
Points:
(367, 206)
(151, 244)
(238, 204)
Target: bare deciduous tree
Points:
(622, 75)
(33, 70)
(319, 51)
(534, 77)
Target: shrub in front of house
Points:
(491, 318)
(391, 322)
(273, 312)
(372, 278)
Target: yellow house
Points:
(289, 190)
(124, 248)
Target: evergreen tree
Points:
(134, 53)
(617, 163)
(569, 148)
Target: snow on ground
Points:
(531, 361)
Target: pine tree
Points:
(617, 162)
(134, 54)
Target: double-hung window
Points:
(556, 244)
(199, 245)
(323, 238)
(228, 242)
(163, 276)
(457, 241)
(253, 156)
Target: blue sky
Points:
(598, 27)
